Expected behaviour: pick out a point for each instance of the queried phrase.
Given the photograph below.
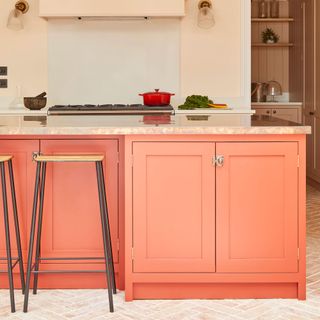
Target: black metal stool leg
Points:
(105, 240)
(7, 232)
(108, 230)
(38, 243)
(16, 223)
(32, 233)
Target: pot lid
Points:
(157, 91)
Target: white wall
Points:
(217, 62)
(24, 52)
(99, 62)
(214, 62)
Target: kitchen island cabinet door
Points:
(24, 173)
(71, 222)
(173, 207)
(257, 207)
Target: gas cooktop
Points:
(109, 109)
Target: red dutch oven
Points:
(156, 98)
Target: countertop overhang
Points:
(132, 125)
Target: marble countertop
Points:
(43, 112)
(23, 112)
(216, 111)
(127, 125)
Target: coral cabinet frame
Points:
(217, 285)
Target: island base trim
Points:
(172, 291)
(67, 281)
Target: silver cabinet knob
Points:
(219, 161)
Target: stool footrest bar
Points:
(15, 262)
(71, 258)
(69, 271)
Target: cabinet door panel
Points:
(24, 174)
(257, 213)
(71, 226)
(263, 111)
(287, 114)
(173, 207)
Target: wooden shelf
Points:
(272, 19)
(272, 45)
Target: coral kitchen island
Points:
(200, 207)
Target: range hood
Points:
(111, 8)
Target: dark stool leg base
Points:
(106, 245)
(32, 234)
(16, 223)
(7, 233)
(37, 257)
(107, 224)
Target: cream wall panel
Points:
(65, 8)
(24, 52)
(110, 61)
(216, 62)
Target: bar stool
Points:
(42, 161)
(11, 262)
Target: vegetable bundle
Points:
(195, 102)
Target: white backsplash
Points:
(112, 61)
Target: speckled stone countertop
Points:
(128, 125)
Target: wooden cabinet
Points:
(313, 147)
(289, 112)
(202, 226)
(24, 173)
(115, 8)
(71, 225)
(272, 61)
(257, 213)
(173, 207)
(312, 87)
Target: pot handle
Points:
(171, 94)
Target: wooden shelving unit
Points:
(272, 20)
(272, 45)
(279, 61)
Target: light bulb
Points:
(15, 20)
(205, 17)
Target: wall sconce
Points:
(15, 17)
(205, 16)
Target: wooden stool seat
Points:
(5, 158)
(69, 158)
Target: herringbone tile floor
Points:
(92, 304)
